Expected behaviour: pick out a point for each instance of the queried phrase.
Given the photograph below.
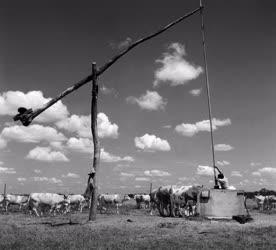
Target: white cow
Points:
(1, 200)
(142, 198)
(20, 200)
(50, 199)
(111, 199)
(76, 200)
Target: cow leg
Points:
(35, 210)
(6, 207)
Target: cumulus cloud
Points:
(46, 154)
(123, 174)
(175, 69)
(10, 101)
(205, 170)
(190, 129)
(149, 101)
(32, 134)
(82, 126)
(85, 145)
(223, 147)
(108, 91)
(3, 142)
(223, 163)
(236, 174)
(256, 173)
(82, 145)
(254, 164)
(70, 175)
(21, 179)
(195, 92)
(52, 180)
(4, 170)
(107, 157)
(151, 143)
(268, 172)
(142, 179)
(125, 43)
(37, 171)
(156, 172)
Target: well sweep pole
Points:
(96, 154)
(208, 93)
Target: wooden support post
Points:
(150, 187)
(96, 154)
(5, 197)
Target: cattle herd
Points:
(167, 200)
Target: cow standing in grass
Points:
(54, 201)
(76, 200)
(142, 198)
(14, 199)
(107, 200)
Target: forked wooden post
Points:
(96, 154)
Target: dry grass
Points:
(134, 229)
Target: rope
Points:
(208, 92)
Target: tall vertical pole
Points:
(96, 154)
(5, 190)
(208, 93)
(5, 197)
(150, 187)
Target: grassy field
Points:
(134, 229)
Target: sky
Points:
(153, 117)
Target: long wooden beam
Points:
(27, 115)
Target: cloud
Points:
(190, 129)
(156, 172)
(85, 145)
(81, 125)
(10, 101)
(149, 101)
(123, 44)
(205, 170)
(126, 174)
(236, 174)
(82, 145)
(46, 154)
(52, 180)
(108, 91)
(3, 142)
(142, 179)
(223, 147)
(70, 175)
(256, 173)
(151, 143)
(37, 171)
(4, 170)
(195, 92)
(223, 163)
(107, 157)
(21, 179)
(268, 172)
(175, 69)
(254, 164)
(32, 134)
(167, 126)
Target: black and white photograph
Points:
(137, 124)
